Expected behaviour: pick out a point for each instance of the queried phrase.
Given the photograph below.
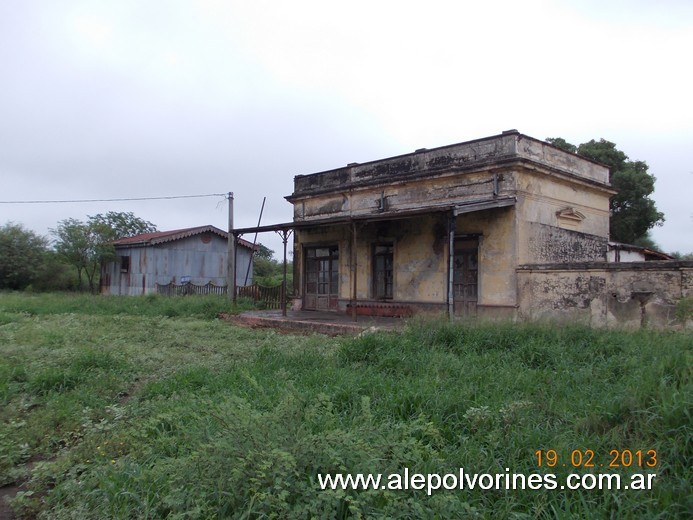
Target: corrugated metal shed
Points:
(197, 255)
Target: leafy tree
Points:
(54, 275)
(647, 241)
(121, 224)
(263, 252)
(562, 144)
(77, 243)
(22, 253)
(87, 245)
(633, 212)
(680, 256)
(605, 152)
(270, 272)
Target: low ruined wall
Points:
(599, 294)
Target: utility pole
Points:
(231, 260)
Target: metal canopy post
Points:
(236, 241)
(285, 234)
(451, 265)
(353, 271)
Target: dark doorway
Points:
(383, 271)
(466, 275)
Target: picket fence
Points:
(269, 296)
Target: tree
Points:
(633, 212)
(87, 245)
(77, 243)
(270, 272)
(562, 144)
(680, 256)
(121, 224)
(647, 241)
(54, 275)
(263, 251)
(21, 256)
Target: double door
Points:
(322, 278)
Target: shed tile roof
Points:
(160, 237)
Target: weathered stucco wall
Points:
(459, 156)
(494, 151)
(602, 294)
(420, 258)
(497, 253)
(544, 153)
(550, 244)
(560, 221)
(430, 192)
(419, 251)
(541, 198)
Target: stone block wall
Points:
(633, 295)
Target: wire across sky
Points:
(112, 200)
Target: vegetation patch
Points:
(142, 415)
(684, 309)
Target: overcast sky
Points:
(148, 98)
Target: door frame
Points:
(315, 300)
(466, 305)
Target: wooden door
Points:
(322, 278)
(466, 276)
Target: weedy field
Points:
(153, 408)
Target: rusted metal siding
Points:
(199, 259)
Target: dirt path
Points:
(10, 491)
(7, 493)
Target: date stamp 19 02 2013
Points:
(587, 458)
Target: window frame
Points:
(124, 263)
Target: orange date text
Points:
(586, 458)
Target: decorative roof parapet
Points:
(494, 151)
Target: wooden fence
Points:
(270, 296)
(172, 289)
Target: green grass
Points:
(152, 408)
(40, 304)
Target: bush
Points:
(206, 307)
(684, 309)
(22, 253)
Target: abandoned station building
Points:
(504, 226)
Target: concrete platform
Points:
(330, 323)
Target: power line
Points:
(110, 200)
